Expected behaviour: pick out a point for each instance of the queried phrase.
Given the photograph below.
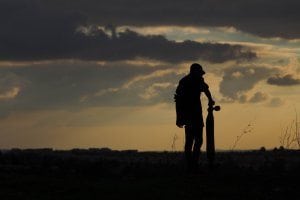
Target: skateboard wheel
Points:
(217, 108)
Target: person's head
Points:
(196, 70)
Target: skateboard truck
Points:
(214, 108)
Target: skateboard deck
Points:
(210, 140)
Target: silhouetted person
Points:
(189, 112)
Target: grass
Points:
(96, 174)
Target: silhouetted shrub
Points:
(262, 149)
(281, 148)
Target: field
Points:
(106, 174)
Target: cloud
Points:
(12, 93)
(65, 85)
(239, 80)
(266, 18)
(242, 98)
(31, 30)
(154, 90)
(10, 86)
(258, 97)
(275, 102)
(126, 45)
(286, 80)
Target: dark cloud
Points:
(258, 97)
(77, 85)
(287, 80)
(238, 80)
(130, 45)
(242, 98)
(275, 102)
(31, 30)
(267, 18)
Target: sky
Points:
(102, 73)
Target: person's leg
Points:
(198, 137)
(189, 139)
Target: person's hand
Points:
(211, 103)
(178, 124)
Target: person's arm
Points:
(211, 102)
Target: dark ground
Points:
(105, 174)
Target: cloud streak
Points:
(286, 80)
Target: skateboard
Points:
(210, 140)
